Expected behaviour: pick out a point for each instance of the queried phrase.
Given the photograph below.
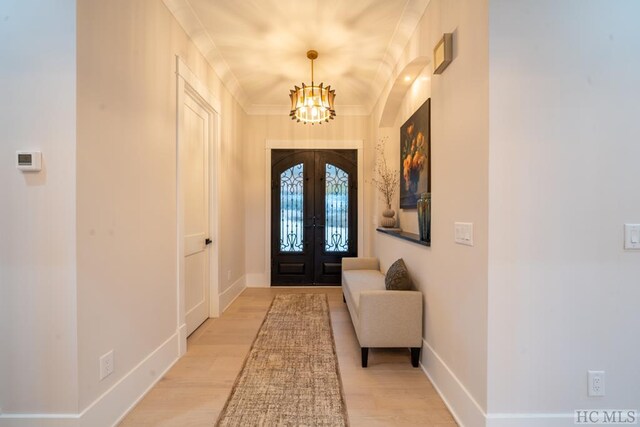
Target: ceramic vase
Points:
(388, 220)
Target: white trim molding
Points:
(465, 408)
(115, 403)
(188, 84)
(461, 403)
(195, 29)
(308, 144)
(182, 340)
(40, 420)
(126, 393)
(190, 22)
(530, 420)
(201, 89)
(229, 295)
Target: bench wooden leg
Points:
(365, 356)
(344, 299)
(415, 356)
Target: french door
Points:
(313, 215)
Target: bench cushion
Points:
(362, 280)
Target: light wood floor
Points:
(387, 393)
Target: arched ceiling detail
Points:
(258, 47)
(403, 80)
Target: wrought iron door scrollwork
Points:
(336, 209)
(292, 209)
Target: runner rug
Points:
(291, 375)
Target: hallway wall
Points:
(564, 179)
(452, 277)
(37, 210)
(127, 243)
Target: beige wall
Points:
(452, 277)
(126, 183)
(232, 184)
(37, 210)
(564, 179)
(259, 129)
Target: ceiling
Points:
(258, 47)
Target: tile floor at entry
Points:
(387, 393)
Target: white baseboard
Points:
(530, 420)
(462, 405)
(182, 340)
(257, 280)
(231, 293)
(112, 406)
(467, 411)
(39, 420)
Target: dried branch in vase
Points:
(387, 179)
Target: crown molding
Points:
(407, 24)
(191, 24)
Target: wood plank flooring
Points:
(387, 393)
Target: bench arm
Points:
(390, 319)
(360, 264)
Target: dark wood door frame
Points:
(316, 257)
(263, 279)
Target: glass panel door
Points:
(313, 215)
(291, 208)
(336, 209)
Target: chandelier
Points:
(312, 104)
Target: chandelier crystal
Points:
(312, 104)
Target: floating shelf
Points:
(411, 237)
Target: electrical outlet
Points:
(106, 365)
(596, 383)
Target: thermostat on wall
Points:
(29, 161)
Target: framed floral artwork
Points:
(415, 156)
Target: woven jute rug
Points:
(291, 375)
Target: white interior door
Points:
(195, 190)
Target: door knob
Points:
(208, 241)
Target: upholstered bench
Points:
(381, 317)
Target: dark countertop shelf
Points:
(411, 237)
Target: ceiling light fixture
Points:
(312, 104)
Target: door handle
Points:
(208, 241)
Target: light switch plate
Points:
(464, 233)
(632, 236)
